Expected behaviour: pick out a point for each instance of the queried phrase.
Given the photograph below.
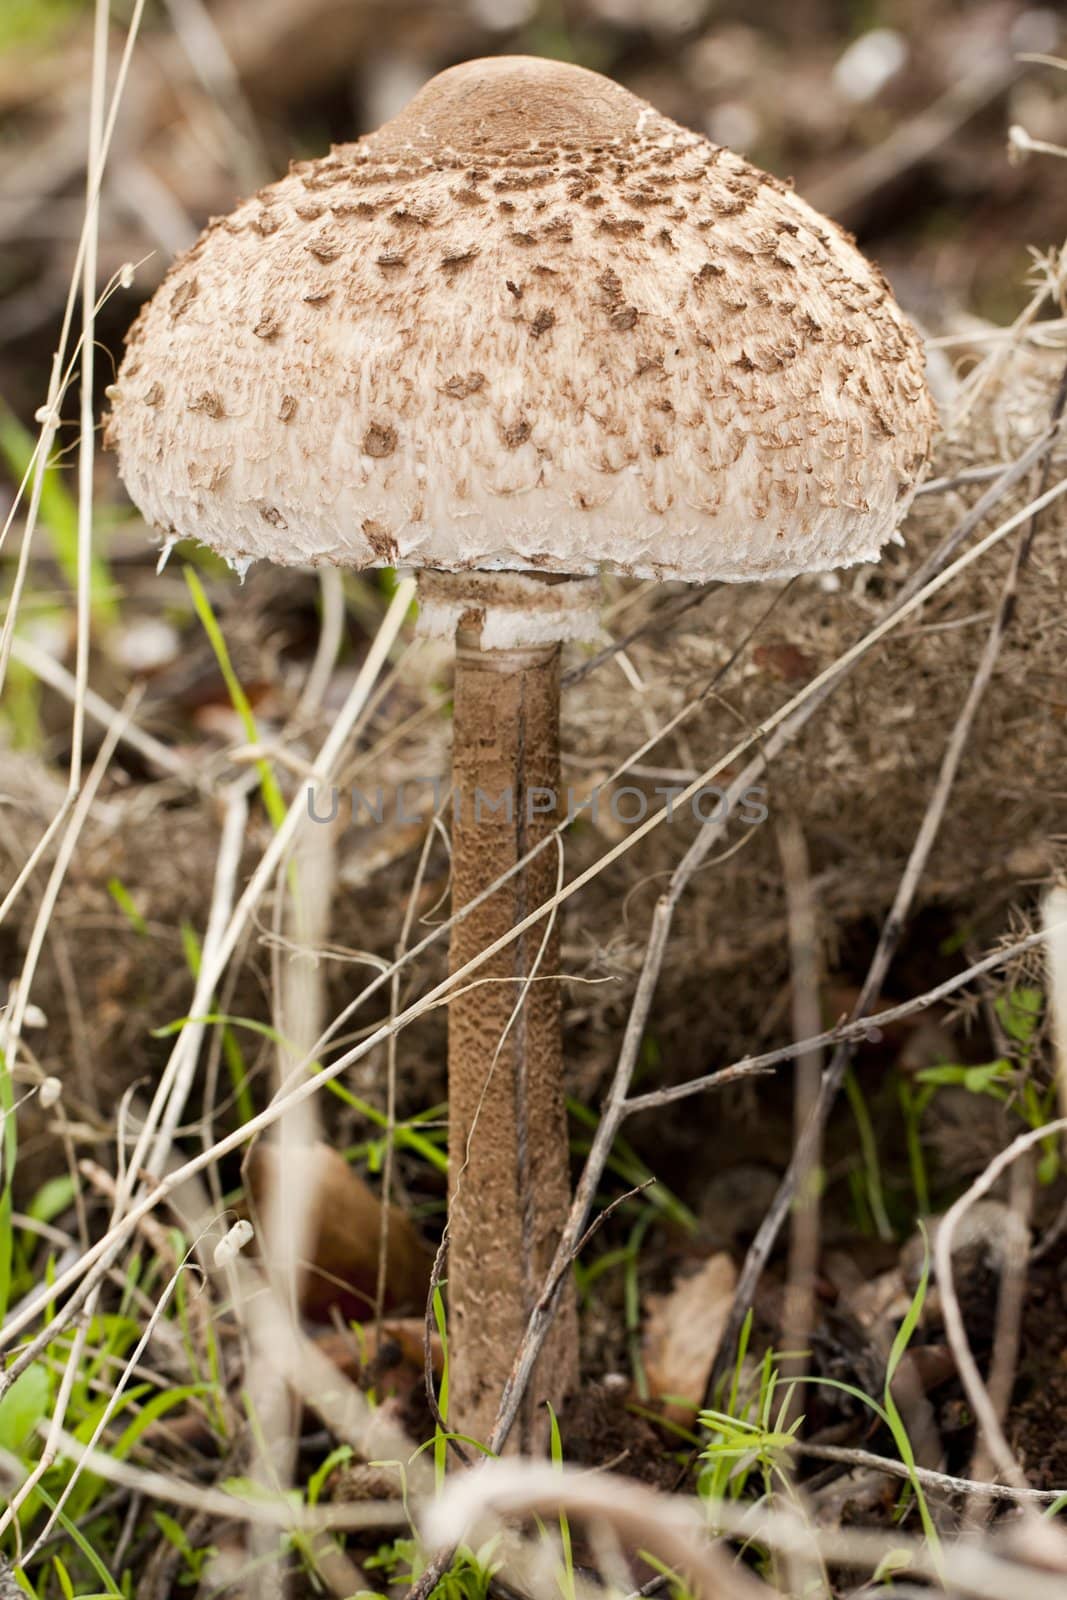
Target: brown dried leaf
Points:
(343, 1268)
(682, 1334)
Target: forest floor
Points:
(897, 1415)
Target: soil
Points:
(1039, 1404)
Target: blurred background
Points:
(891, 115)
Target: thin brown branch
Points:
(798, 1313)
(925, 1475)
(866, 1027)
(1011, 1297)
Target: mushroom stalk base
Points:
(508, 1153)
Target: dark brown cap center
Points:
(509, 102)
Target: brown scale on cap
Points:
(335, 315)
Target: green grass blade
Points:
(272, 795)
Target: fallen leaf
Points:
(682, 1334)
(785, 661)
(342, 1270)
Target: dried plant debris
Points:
(682, 1333)
(858, 778)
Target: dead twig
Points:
(663, 616)
(798, 1313)
(1011, 1296)
(929, 1479)
(514, 1487)
(674, 1528)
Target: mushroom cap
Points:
(528, 324)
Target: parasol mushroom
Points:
(527, 332)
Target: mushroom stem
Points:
(508, 1151)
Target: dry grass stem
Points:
(798, 1314)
